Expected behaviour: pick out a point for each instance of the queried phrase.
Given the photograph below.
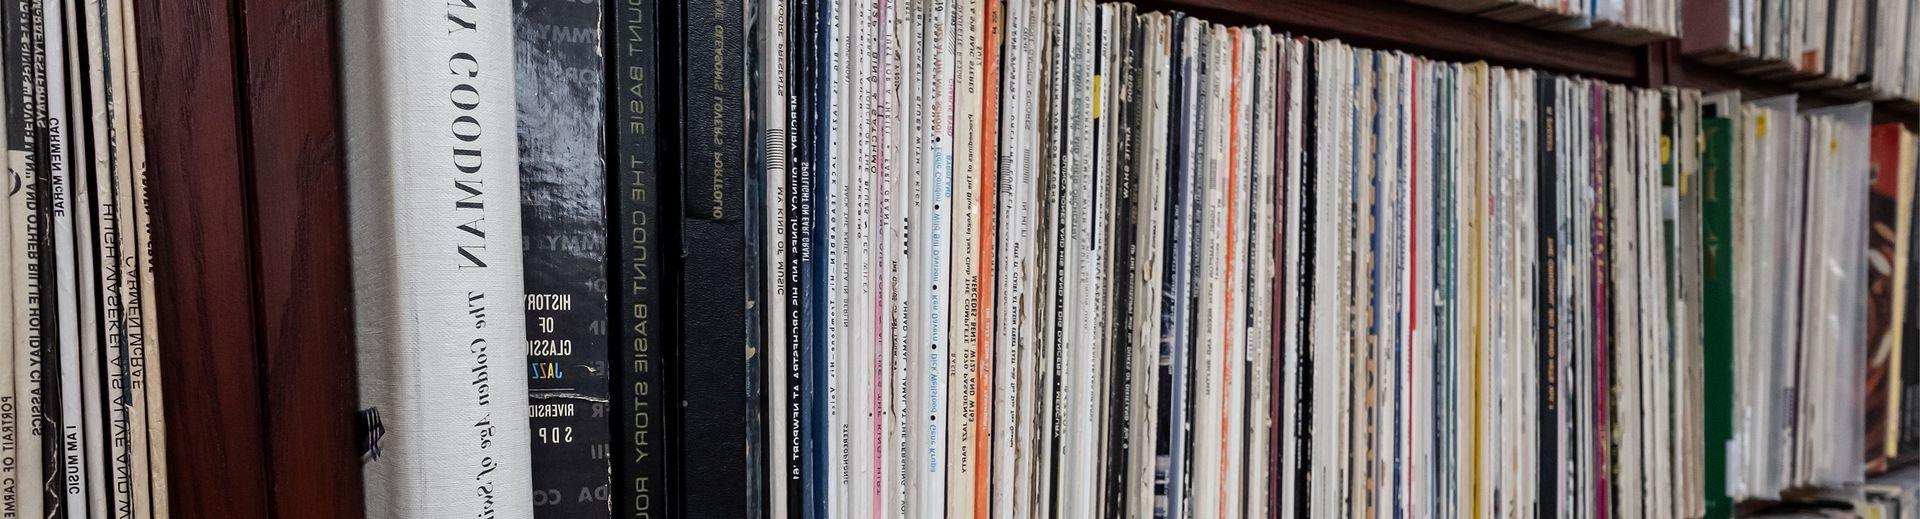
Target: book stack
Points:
(1060, 258)
(1626, 22)
(81, 427)
(1858, 48)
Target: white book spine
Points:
(434, 217)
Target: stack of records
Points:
(1869, 47)
(1627, 22)
(1060, 258)
(81, 433)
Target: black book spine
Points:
(713, 351)
(800, 214)
(1547, 287)
(563, 221)
(640, 332)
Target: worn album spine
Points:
(557, 77)
(32, 288)
(899, 155)
(640, 320)
(771, 104)
(69, 462)
(818, 105)
(965, 239)
(712, 353)
(106, 95)
(936, 212)
(13, 263)
(987, 238)
(100, 284)
(13, 269)
(1547, 284)
(435, 221)
(1122, 262)
(801, 260)
(131, 391)
(1907, 441)
(143, 342)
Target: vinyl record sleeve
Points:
(563, 222)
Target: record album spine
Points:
(800, 257)
(30, 285)
(802, 216)
(144, 341)
(771, 103)
(105, 98)
(435, 227)
(712, 351)
(564, 222)
(641, 331)
(1548, 286)
(67, 481)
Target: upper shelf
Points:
(1442, 34)
(1428, 31)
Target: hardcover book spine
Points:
(435, 221)
(641, 328)
(558, 83)
(712, 351)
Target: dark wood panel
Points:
(300, 242)
(1428, 31)
(217, 461)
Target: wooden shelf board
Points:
(1428, 31)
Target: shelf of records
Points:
(1857, 49)
(1626, 22)
(81, 426)
(1036, 258)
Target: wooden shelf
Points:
(1430, 32)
